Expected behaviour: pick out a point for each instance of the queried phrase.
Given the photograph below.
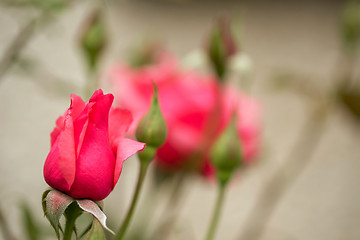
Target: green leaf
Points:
(48, 5)
(96, 232)
(54, 205)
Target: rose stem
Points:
(69, 228)
(280, 182)
(170, 214)
(13, 51)
(216, 213)
(141, 177)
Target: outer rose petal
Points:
(124, 149)
(52, 173)
(96, 161)
(59, 127)
(76, 107)
(59, 168)
(119, 122)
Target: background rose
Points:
(88, 147)
(195, 109)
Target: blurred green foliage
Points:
(48, 5)
(350, 26)
(31, 227)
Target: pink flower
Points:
(195, 110)
(88, 147)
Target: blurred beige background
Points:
(298, 37)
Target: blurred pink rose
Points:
(88, 147)
(194, 107)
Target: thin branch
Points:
(17, 45)
(281, 180)
(171, 211)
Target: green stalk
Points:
(141, 177)
(69, 228)
(216, 213)
(71, 214)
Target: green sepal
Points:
(96, 232)
(54, 204)
(147, 154)
(94, 209)
(72, 212)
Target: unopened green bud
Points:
(221, 47)
(217, 54)
(93, 38)
(226, 154)
(152, 127)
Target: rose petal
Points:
(59, 168)
(57, 129)
(119, 122)
(124, 148)
(77, 106)
(96, 161)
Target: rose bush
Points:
(195, 108)
(88, 147)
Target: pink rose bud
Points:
(88, 148)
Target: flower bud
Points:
(152, 129)
(93, 39)
(227, 154)
(221, 47)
